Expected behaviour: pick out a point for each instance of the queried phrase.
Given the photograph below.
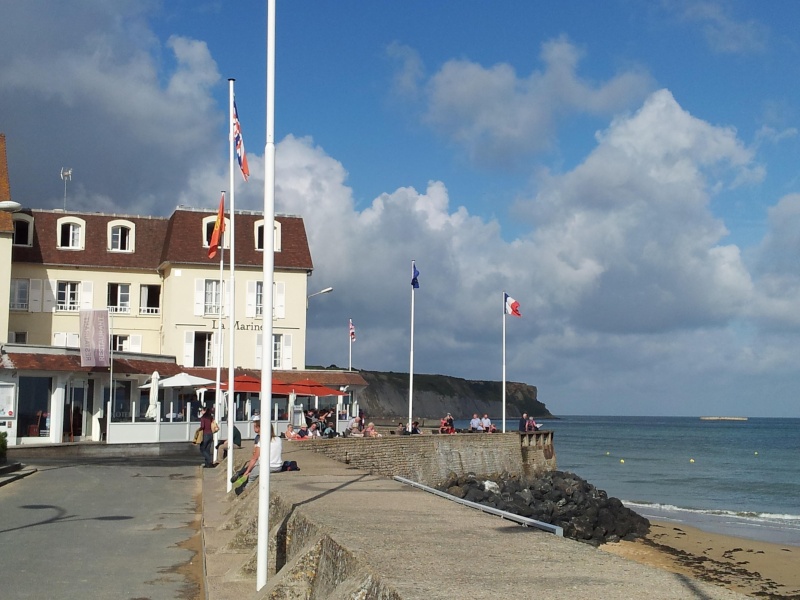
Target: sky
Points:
(627, 170)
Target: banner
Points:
(94, 338)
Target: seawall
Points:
(429, 459)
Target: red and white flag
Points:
(219, 229)
(238, 142)
(352, 331)
(511, 306)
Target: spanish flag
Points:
(219, 229)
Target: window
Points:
(23, 230)
(208, 229)
(198, 350)
(68, 296)
(259, 235)
(20, 294)
(259, 298)
(120, 343)
(120, 236)
(150, 300)
(281, 350)
(213, 297)
(277, 351)
(17, 337)
(119, 298)
(70, 233)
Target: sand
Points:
(754, 568)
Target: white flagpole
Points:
(350, 337)
(411, 357)
(231, 291)
(266, 336)
(218, 353)
(504, 362)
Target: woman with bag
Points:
(206, 420)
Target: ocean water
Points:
(739, 478)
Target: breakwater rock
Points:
(585, 513)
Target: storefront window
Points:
(34, 407)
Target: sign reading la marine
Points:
(238, 326)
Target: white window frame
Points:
(144, 293)
(29, 220)
(276, 241)
(68, 299)
(213, 297)
(123, 305)
(20, 294)
(208, 229)
(77, 235)
(115, 242)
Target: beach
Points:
(751, 567)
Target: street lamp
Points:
(325, 291)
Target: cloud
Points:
(499, 117)
(725, 34)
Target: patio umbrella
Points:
(245, 383)
(184, 380)
(309, 387)
(152, 410)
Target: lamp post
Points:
(327, 290)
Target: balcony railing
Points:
(19, 306)
(68, 307)
(119, 309)
(149, 310)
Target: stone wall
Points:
(429, 459)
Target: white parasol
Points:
(152, 410)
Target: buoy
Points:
(622, 460)
(607, 453)
(691, 460)
(756, 454)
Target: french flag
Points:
(511, 306)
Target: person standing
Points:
(208, 437)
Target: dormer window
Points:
(121, 236)
(208, 229)
(71, 232)
(259, 235)
(23, 230)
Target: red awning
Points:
(306, 387)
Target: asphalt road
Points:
(117, 529)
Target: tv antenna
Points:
(66, 175)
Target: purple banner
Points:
(94, 338)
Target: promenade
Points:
(339, 532)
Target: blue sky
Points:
(626, 169)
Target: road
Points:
(117, 529)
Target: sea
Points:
(739, 478)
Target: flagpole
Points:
(411, 356)
(232, 291)
(504, 362)
(268, 277)
(218, 353)
(350, 336)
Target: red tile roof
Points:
(159, 240)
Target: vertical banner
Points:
(94, 338)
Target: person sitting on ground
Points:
(475, 423)
(523, 422)
(415, 430)
(224, 446)
(290, 433)
(401, 429)
(302, 433)
(370, 431)
(250, 472)
(486, 422)
(276, 462)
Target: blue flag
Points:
(414, 275)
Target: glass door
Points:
(75, 411)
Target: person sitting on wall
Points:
(401, 429)
(355, 428)
(415, 430)
(531, 425)
(475, 423)
(451, 424)
(486, 422)
(523, 422)
(313, 431)
(371, 432)
(302, 433)
(290, 433)
(237, 441)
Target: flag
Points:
(219, 229)
(238, 143)
(352, 331)
(414, 275)
(511, 306)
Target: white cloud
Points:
(723, 32)
(497, 116)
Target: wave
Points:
(758, 516)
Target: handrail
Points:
(555, 529)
